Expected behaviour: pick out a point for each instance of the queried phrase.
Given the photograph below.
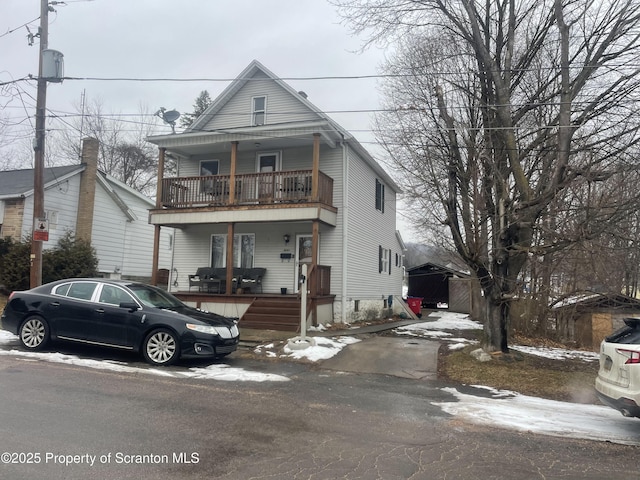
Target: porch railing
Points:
(320, 280)
(250, 188)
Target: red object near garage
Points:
(415, 304)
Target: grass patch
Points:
(565, 380)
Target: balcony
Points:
(256, 197)
(293, 186)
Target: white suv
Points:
(618, 381)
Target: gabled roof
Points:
(19, 183)
(241, 80)
(431, 266)
(333, 134)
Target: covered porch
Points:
(263, 311)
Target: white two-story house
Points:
(267, 181)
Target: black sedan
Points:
(121, 314)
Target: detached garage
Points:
(440, 285)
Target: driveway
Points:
(400, 357)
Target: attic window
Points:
(258, 111)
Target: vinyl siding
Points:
(368, 230)
(121, 245)
(108, 233)
(192, 248)
(281, 106)
(62, 198)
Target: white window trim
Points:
(254, 111)
(277, 153)
(224, 250)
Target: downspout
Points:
(345, 223)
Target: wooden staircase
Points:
(273, 313)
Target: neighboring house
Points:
(94, 206)
(267, 180)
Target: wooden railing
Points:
(250, 188)
(320, 280)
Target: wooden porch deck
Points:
(264, 311)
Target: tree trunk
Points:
(495, 325)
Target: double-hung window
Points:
(258, 111)
(384, 260)
(379, 196)
(243, 250)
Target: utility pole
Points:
(38, 174)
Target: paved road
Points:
(322, 424)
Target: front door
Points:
(268, 164)
(304, 252)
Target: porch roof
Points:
(269, 136)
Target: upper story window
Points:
(258, 110)
(379, 196)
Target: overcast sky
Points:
(186, 39)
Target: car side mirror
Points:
(131, 306)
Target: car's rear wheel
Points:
(161, 348)
(34, 333)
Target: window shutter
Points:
(389, 262)
(379, 258)
(379, 196)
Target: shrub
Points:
(70, 258)
(15, 264)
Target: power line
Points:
(18, 28)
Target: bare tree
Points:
(499, 110)
(124, 153)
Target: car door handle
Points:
(55, 304)
(100, 310)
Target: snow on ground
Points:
(221, 372)
(488, 407)
(323, 349)
(436, 326)
(547, 417)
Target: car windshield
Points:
(155, 297)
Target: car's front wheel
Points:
(34, 333)
(161, 348)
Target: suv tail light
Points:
(632, 356)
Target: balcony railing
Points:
(250, 188)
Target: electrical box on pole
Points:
(52, 66)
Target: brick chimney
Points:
(86, 199)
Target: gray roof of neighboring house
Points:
(16, 183)
(588, 300)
